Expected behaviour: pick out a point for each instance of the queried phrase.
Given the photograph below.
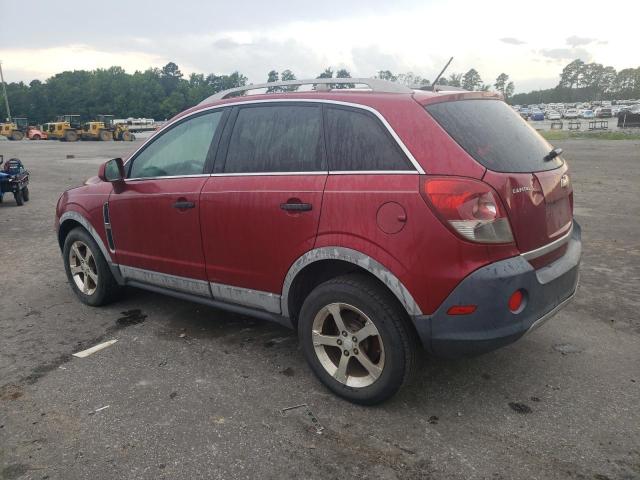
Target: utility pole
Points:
(4, 90)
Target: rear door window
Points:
(357, 141)
(496, 136)
(276, 138)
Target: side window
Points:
(180, 151)
(276, 138)
(358, 141)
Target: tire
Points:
(105, 135)
(19, 198)
(389, 349)
(126, 136)
(25, 194)
(96, 291)
(35, 137)
(17, 135)
(70, 136)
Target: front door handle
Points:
(184, 204)
(296, 207)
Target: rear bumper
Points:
(493, 325)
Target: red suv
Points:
(369, 220)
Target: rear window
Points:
(496, 136)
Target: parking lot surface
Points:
(188, 391)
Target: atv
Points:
(14, 178)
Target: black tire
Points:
(388, 316)
(19, 198)
(35, 137)
(25, 194)
(105, 136)
(17, 135)
(70, 136)
(106, 289)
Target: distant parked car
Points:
(524, 113)
(553, 115)
(629, 118)
(536, 115)
(34, 133)
(604, 112)
(588, 114)
(570, 113)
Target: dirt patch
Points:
(11, 392)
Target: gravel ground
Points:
(192, 392)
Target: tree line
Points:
(580, 82)
(162, 92)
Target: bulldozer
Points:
(11, 131)
(66, 128)
(103, 128)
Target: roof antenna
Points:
(435, 82)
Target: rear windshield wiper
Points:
(553, 154)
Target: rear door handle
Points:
(184, 204)
(296, 207)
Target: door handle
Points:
(296, 207)
(184, 204)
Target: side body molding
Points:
(356, 258)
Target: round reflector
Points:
(515, 301)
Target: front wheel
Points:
(25, 194)
(356, 339)
(87, 270)
(19, 198)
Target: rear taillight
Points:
(471, 208)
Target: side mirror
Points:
(112, 171)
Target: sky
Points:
(530, 41)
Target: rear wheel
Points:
(87, 270)
(17, 135)
(356, 340)
(126, 136)
(19, 198)
(35, 137)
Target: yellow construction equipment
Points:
(11, 131)
(66, 128)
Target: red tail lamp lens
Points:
(515, 300)
(470, 207)
(462, 309)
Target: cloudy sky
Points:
(530, 41)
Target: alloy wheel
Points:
(348, 345)
(83, 267)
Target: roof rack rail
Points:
(375, 84)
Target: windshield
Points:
(494, 135)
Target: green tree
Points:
(273, 76)
(343, 73)
(455, 80)
(328, 73)
(386, 75)
(286, 75)
(471, 80)
(504, 86)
